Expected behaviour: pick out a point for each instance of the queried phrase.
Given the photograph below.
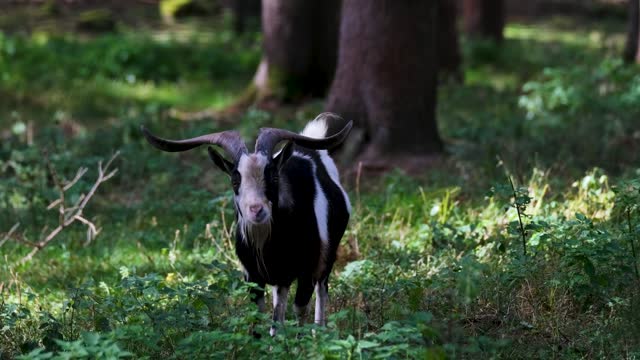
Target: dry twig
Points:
(67, 216)
(8, 235)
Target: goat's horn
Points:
(270, 137)
(230, 141)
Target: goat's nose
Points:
(255, 209)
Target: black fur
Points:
(293, 252)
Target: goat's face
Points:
(256, 183)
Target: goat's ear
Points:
(284, 155)
(224, 164)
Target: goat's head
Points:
(255, 177)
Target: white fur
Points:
(252, 185)
(321, 208)
(302, 156)
(316, 129)
(322, 298)
(333, 174)
(251, 192)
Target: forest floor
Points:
(542, 155)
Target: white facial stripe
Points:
(252, 184)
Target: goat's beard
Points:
(256, 235)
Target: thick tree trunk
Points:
(300, 45)
(386, 76)
(632, 47)
(484, 18)
(449, 58)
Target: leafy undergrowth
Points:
(521, 243)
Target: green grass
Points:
(439, 271)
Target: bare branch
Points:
(55, 203)
(70, 215)
(8, 235)
(79, 174)
(76, 205)
(56, 181)
(110, 175)
(113, 157)
(91, 226)
(101, 179)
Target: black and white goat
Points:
(290, 207)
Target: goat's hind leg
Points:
(322, 298)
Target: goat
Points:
(291, 210)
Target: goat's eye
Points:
(235, 180)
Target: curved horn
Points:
(230, 141)
(268, 138)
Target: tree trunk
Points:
(449, 58)
(631, 53)
(386, 76)
(243, 12)
(484, 18)
(299, 49)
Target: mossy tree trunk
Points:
(386, 76)
(299, 49)
(484, 18)
(632, 46)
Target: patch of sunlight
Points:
(539, 33)
(188, 96)
(500, 81)
(194, 31)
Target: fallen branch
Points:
(67, 216)
(8, 235)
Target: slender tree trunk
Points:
(386, 75)
(484, 18)
(632, 47)
(449, 58)
(299, 49)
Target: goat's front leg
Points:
(257, 297)
(303, 296)
(280, 296)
